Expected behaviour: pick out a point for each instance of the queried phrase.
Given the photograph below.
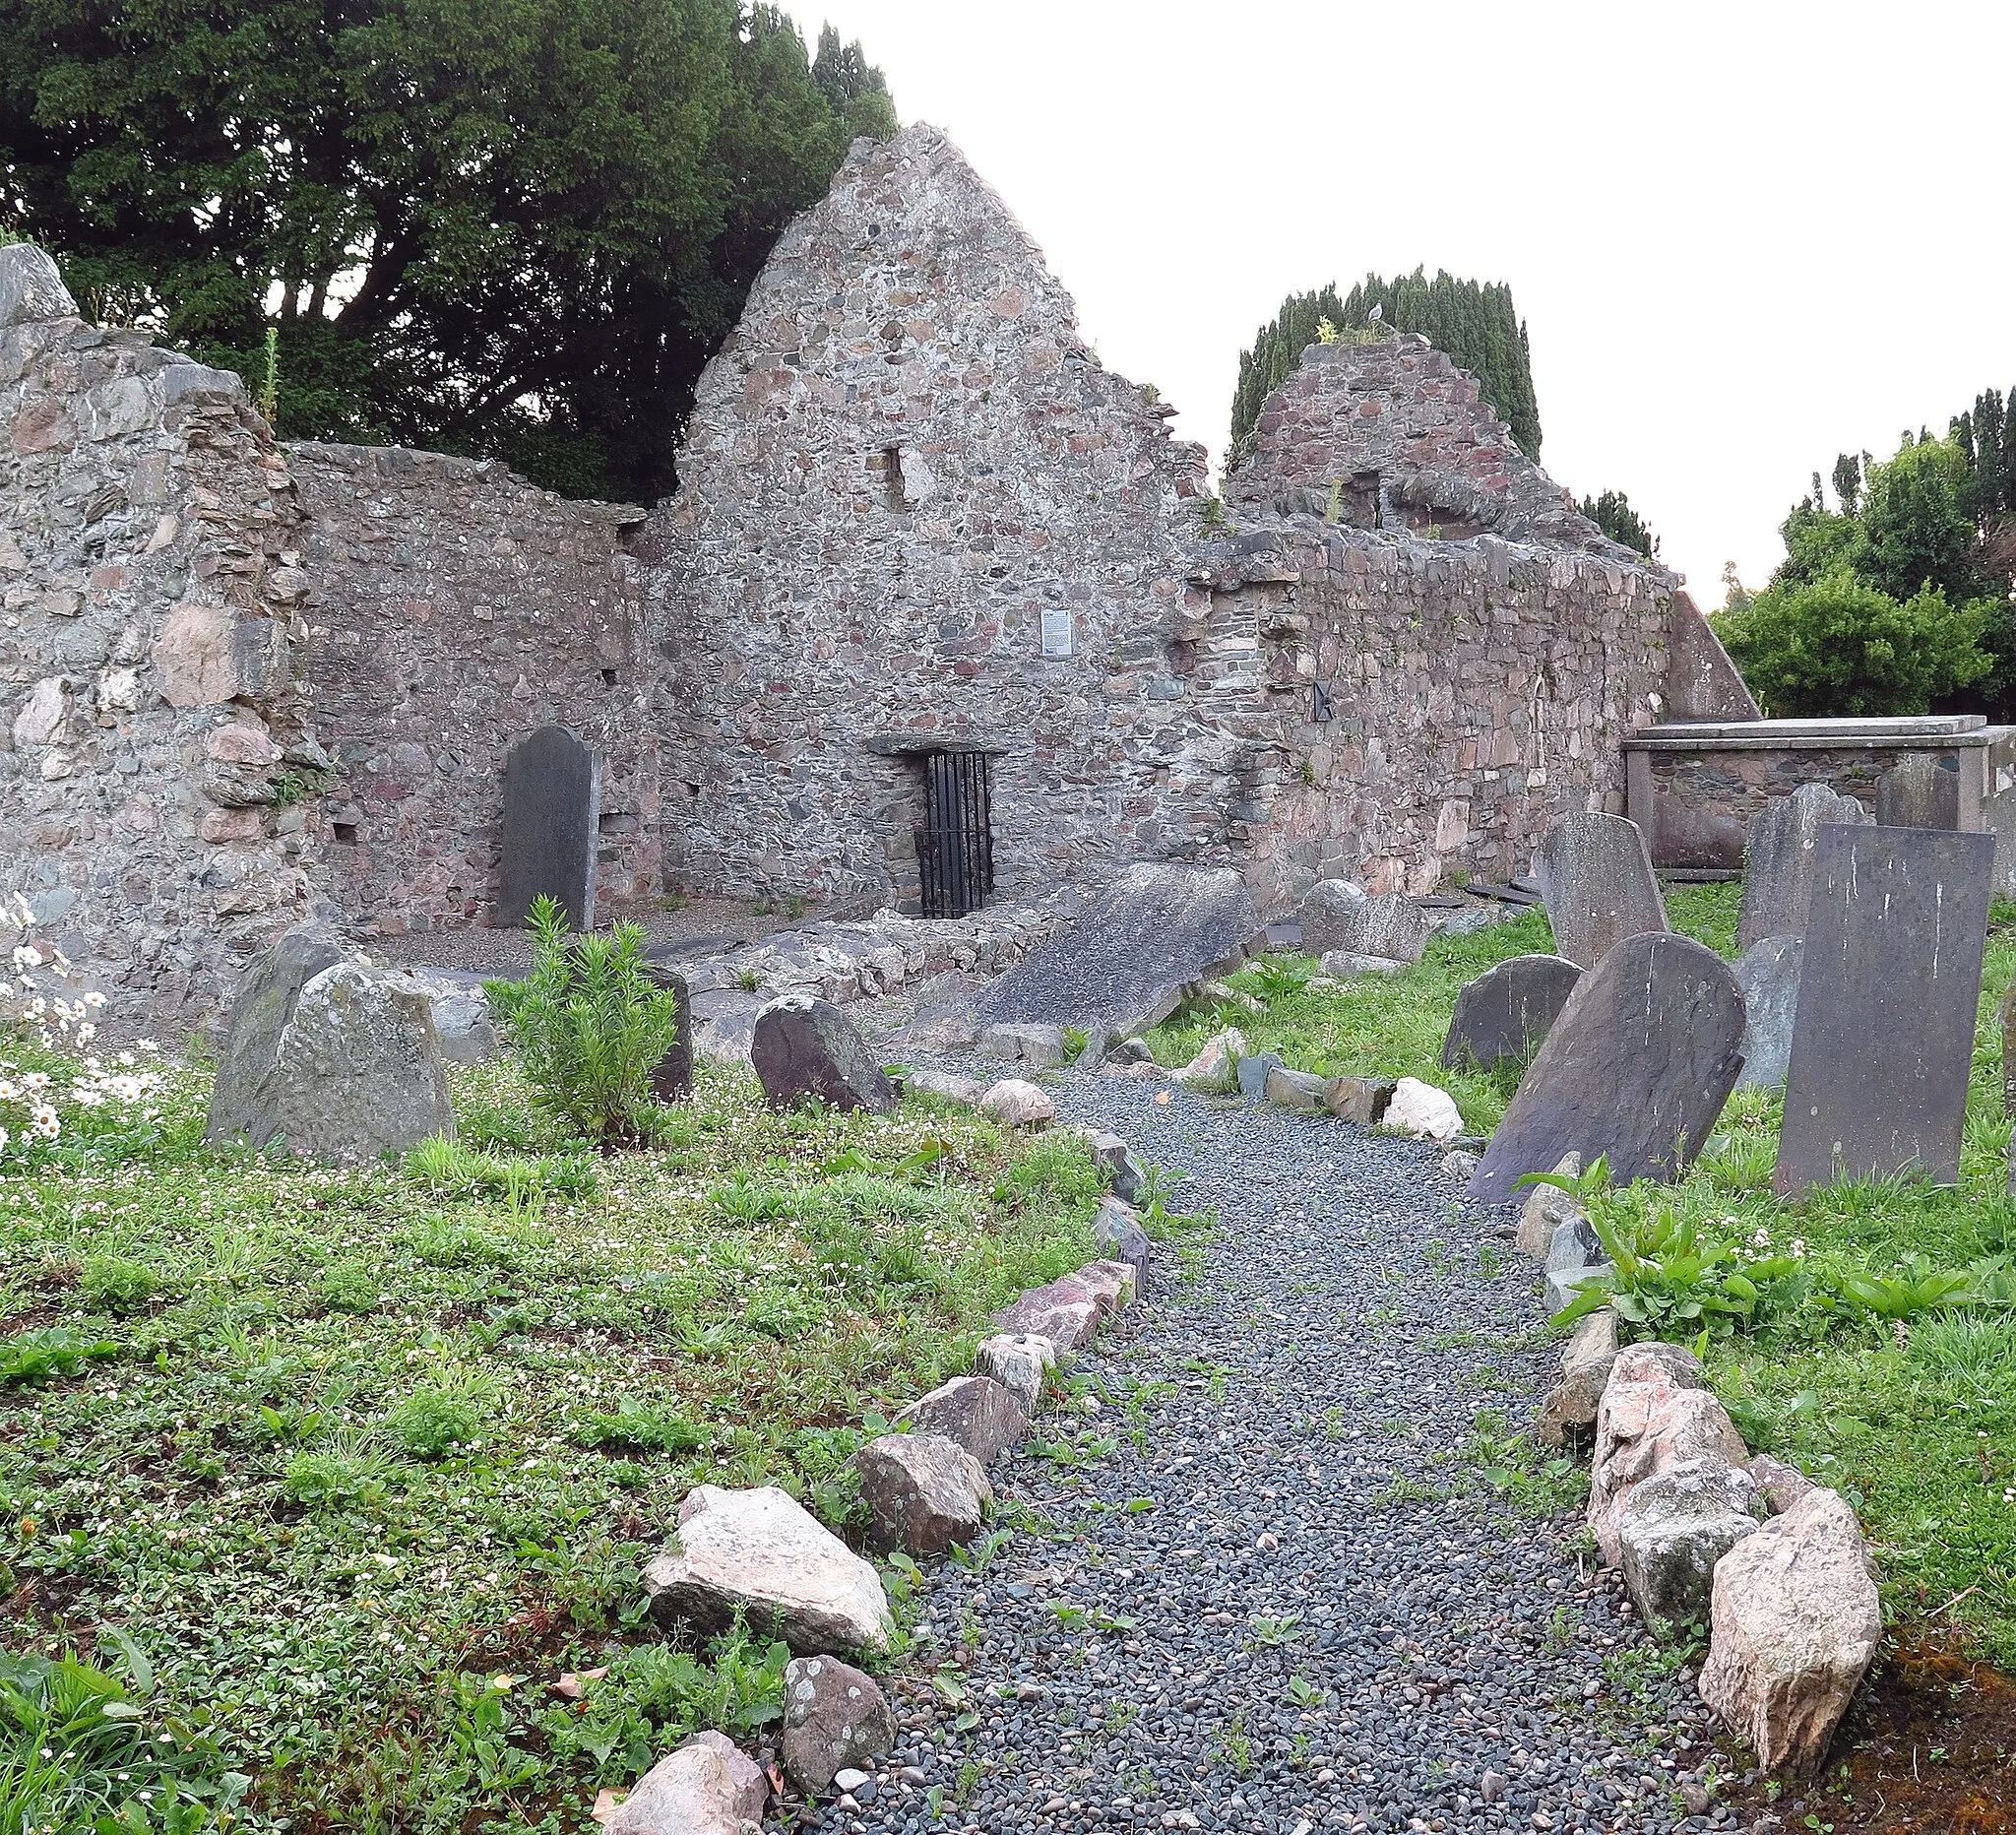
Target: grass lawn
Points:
(325, 1475)
(1852, 1363)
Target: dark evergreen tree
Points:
(1614, 515)
(1475, 323)
(493, 226)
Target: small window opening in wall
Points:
(892, 493)
(608, 678)
(344, 832)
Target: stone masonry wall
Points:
(915, 511)
(154, 758)
(454, 608)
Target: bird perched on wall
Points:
(1375, 315)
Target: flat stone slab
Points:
(1596, 877)
(1508, 1011)
(1768, 973)
(1125, 963)
(1778, 859)
(1636, 1068)
(546, 846)
(1884, 1037)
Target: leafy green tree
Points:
(1475, 323)
(1614, 515)
(1917, 528)
(495, 227)
(1837, 645)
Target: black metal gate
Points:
(955, 843)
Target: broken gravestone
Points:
(1387, 929)
(546, 846)
(1884, 1039)
(1768, 973)
(1596, 877)
(1328, 914)
(1125, 963)
(1921, 791)
(1508, 1010)
(804, 1046)
(671, 1077)
(1778, 859)
(243, 1099)
(1636, 1068)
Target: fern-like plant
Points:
(588, 1025)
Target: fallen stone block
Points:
(1362, 1099)
(835, 1719)
(1674, 1526)
(705, 1787)
(1065, 1312)
(1546, 1209)
(1330, 915)
(943, 1083)
(1296, 1089)
(1110, 1284)
(1019, 1362)
(1796, 1620)
(1030, 1042)
(1422, 1111)
(1253, 1073)
(806, 1048)
(1781, 1486)
(1655, 1413)
(923, 1492)
(976, 1412)
(761, 1554)
(1216, 1064)
(1343, 964)
(1569, 1411)
(1124, 1174)
(1017, 1103)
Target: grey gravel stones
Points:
(1636, 1068)
(1595, 875)
(835, 1719)
(983, 1417)
(1508, 1010)
(924, 1493)
(1124, 964)
(1768, 973)
(761, 1554)
(1884, 1040)
(803, 1046)
(1778, 859)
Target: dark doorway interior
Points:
(955, 840)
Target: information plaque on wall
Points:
(1056, 631)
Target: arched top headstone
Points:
(552, 809)
(1595, 875)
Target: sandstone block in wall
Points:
(208, 655)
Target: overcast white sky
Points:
(1745, 237)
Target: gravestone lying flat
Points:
(1596, 878)
(1884, 1040)
(1919, 791)
(1127, 962)
(1769, 974)
(1508, 1010)
(806, 1046)
(1778, 859)
(552, 806)
(1636, 1068)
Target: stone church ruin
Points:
(940, 613)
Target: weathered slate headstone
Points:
(1596, 878)
(1125, 963)
(1636, 1068)
(244, 1099)
(671, 1077)
(1389, 928)
(805, 1046)
(1884, 1039)
(552, 806)
(1508, 1010)
(1919, 791)
(1768, 973)
(1778, 859)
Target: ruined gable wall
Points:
(903, 458)
(153, 746)
(455, 608)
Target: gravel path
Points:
(1238, 1598)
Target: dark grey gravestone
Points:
(805, 1046)
(1768, 973)
(1636, 1068)
(552, 804)
(245, 1100)
(671, 1078)
(1884, 1039)
(1508, 1010)
(1778, 859)
(1125, 963)
(1596, 877)
(1919, 791)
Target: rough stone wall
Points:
(905, 478)
(454, 608)
(1392, 434)
(1470, 691)
(154, 752)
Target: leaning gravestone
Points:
(804, 1046)
(1919, 791)
(552, 806)
(1778, 859)
(1884, 1039)
(1124, 965)
(1508, 1010)
(1636, 1068)
(1768, 973)
(1596, 877)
